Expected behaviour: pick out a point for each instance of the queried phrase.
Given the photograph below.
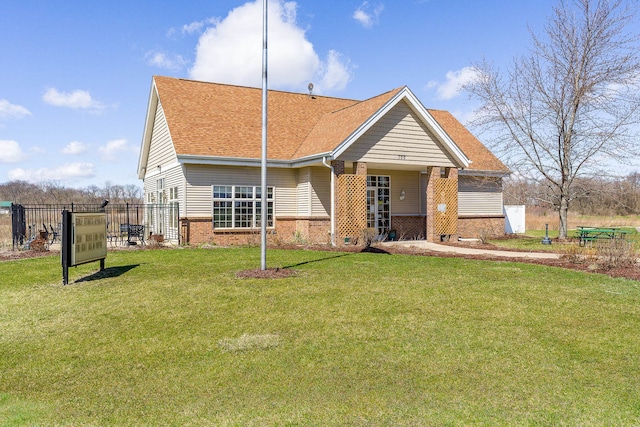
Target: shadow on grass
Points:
(318, 260)
(107, 273)
(372, 250)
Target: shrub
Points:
(613, 253)
(368, 236)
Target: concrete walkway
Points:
(423, 244)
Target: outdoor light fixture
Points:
(402, 194)
(104, 204)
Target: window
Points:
(239, 206)
(378, 203)
(173, 207)
(162, 197)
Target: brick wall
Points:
(409, 227)
(316, 230)
(309, 230)
(472, 227)
(288, 229)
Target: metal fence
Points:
(126, 223)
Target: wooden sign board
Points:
(84, 239)
(89, 237)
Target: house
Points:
(335, 166)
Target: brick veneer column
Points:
(451, 173)
(432, 174)
(359, 168)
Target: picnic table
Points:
(589, 234)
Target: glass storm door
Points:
(378, 206)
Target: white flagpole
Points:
(263, 171)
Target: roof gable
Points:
(404, 94)
(400, 139)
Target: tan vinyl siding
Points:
(479, 204)
(320, 191)
(175, 178)
(399, 138)
(410, 183)
(149, 187)
(200, 179)
(304, 192)
(161, 151)
(478, 196)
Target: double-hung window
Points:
(239, 206)
(173, 207)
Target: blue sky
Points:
(76, 75)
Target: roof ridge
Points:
(255, 88)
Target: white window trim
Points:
(232, 199)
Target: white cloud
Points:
(109, 152)
(10, 152)
(12, 111)
(66, 172)
(368, 15)
(75, 147)
(197, 26)
(79, 99)
(230, 51)
(165, 61)
(455, 81)
(191, 28)
(336, 74)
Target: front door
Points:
(378, 203)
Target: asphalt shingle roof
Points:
(218, 120)
(481, 157)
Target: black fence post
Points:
(18, 225)
(128, 226)
(66, 245)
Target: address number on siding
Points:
(402, 157)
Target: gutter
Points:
(333, 202)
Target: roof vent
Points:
(310, 87)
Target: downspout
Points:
(333, 199)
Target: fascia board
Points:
(235, 161)
(230, 161)
(148, 129)
(473, 172)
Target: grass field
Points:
(173, 337)
(5, 232)
(537, 221)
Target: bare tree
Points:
(567, 108)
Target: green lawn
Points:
(173, 337)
